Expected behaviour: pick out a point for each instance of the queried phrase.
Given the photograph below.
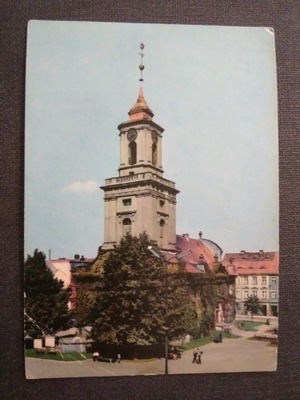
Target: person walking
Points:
(194, 356)
(199, 354)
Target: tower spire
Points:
(141, 66)
(141, 110)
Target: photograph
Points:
(151, 230)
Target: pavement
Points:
(232, 355)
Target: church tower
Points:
(140, 198)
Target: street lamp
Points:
(157, 254)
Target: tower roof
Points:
(140, 110)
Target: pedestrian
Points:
(95, 356)
(199, 354)
(118, 358)
(220, 337)
(194, 356)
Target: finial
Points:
(141, 66)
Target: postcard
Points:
(151, 200)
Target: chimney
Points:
(49, 254)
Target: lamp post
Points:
(157, 254)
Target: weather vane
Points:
(141, 67)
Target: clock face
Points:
(154, 135)
(131, 134)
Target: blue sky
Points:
(213, 90)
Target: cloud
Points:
(81, 187)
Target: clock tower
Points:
(140, 199)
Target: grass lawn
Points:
(247, 325)
(207, 339)
(72, 356)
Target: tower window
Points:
(161, 203)
(154, 153)
(132, 153)
(126, 226)
(127, 202)
(162, 226)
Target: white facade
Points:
(264, 287)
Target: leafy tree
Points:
(252, 305)
(130, 306)
(139, 299)
(46, 300)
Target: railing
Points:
(138, 177)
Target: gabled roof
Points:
(252, 263)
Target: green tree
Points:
(252, 305)
(138, 299)
(130, 306)
(46, 300)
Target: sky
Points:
(213, 90)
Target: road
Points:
(233, 355)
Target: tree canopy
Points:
(130, 305)
(46, 299)
(131, 296)
(252, 304)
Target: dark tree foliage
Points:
(130, 306)
(131, 296)
(252, 305)
(46, 300)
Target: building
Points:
(198, 251)
(63, 269)
(140, 198)
(255, 274)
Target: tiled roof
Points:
(247, 263)
(197, 249)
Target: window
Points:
(132, 153)
(274, 279)
(263, 280)
(126, 226)
(161, 203)
(238, 280)
(273, 294)
(254, 280)
(162, 225)
(237, 294)
(154, 154)
(245, 280)
(245, 294)
(254, 292)
(126, 202)
(264, 294)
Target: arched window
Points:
(126, 226)
(154, 153)
(132, 153)
(162, 227)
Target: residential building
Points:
(255, 274)
(63, 268)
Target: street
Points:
(233, 355)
